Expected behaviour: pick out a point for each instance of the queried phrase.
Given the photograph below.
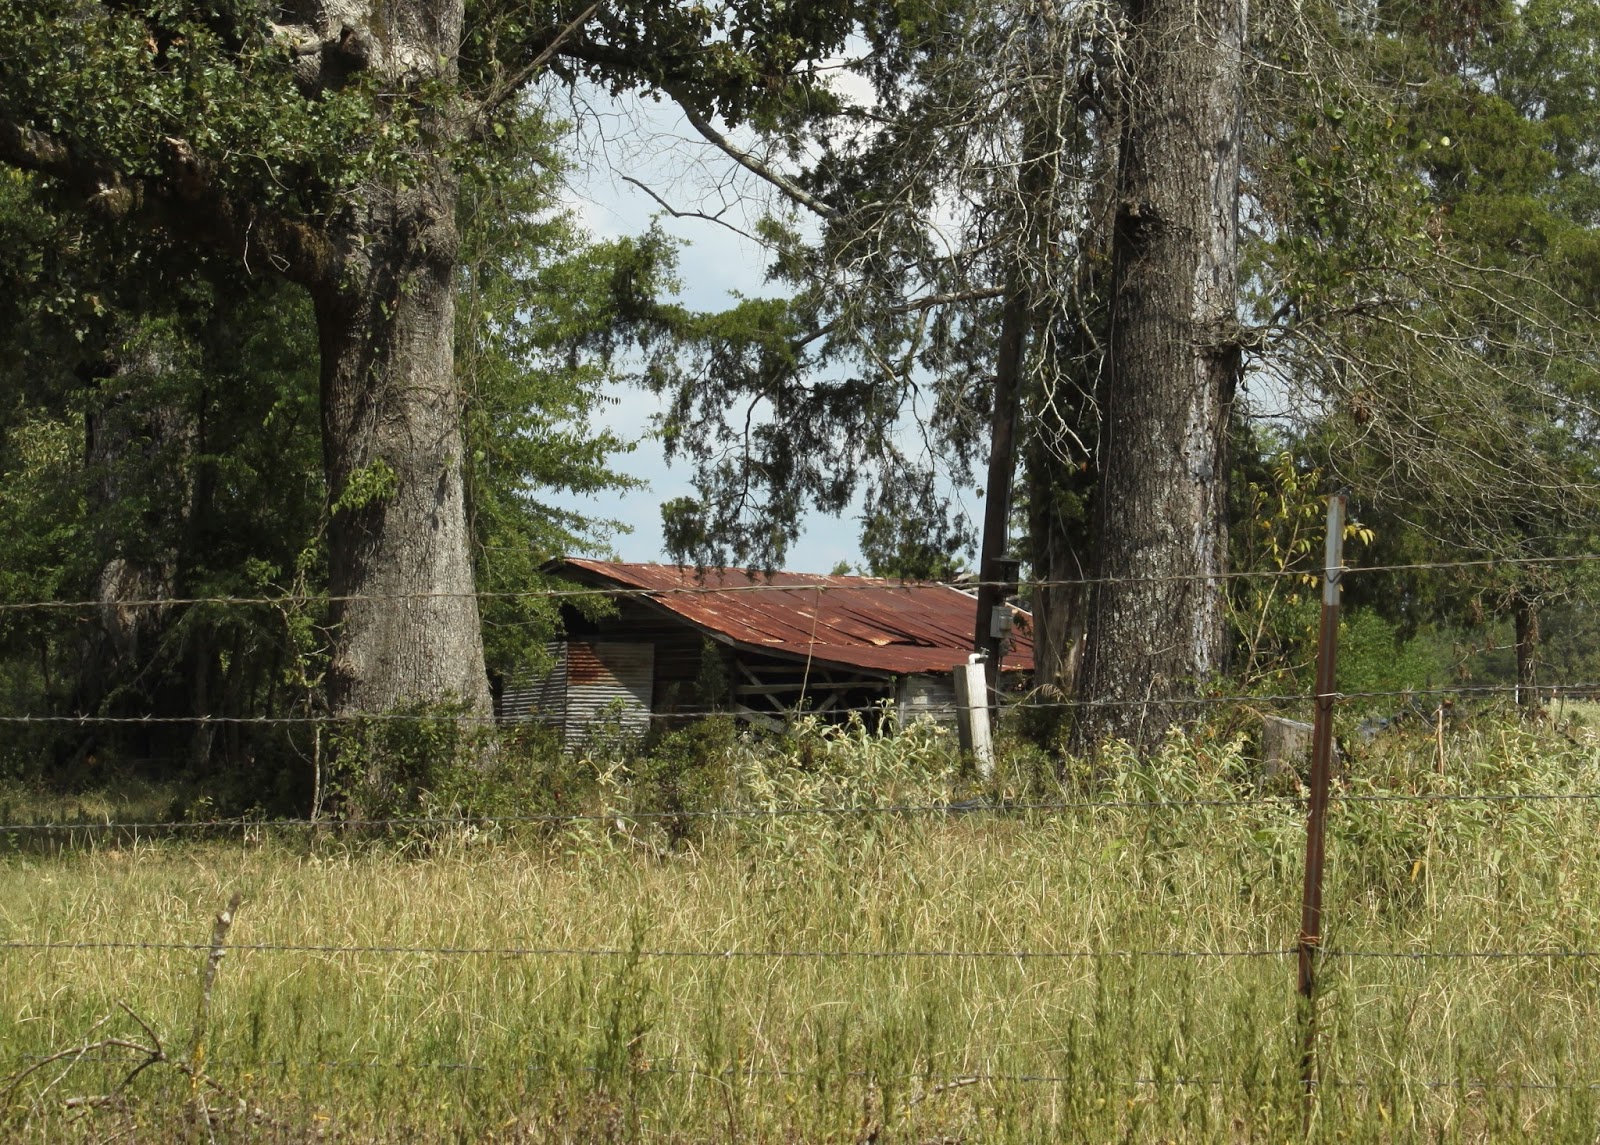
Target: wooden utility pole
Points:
(994, 570)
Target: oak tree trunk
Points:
(400, 565)
(1157, 625)
(135, 453)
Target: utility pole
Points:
(996, 573)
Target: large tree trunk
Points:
(1157, 625)
(134, 448)
(400, 564)
(1058, 547)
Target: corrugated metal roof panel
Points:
(872, 623)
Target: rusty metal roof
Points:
(881, 625)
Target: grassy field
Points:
(1107, 973)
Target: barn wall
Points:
(591, 680)
(685, 659)
(923, 697)
(527, 697)
(607, 681)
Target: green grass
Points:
(634, 1046)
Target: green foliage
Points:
(197, 392)
(899, 547)
(1432, 243)
(158, 441)
(1277, 539)
(120, 82)
(686, 770)
(386, 764)
(524, 772)
(163, 130)
(1375, 657)
(540, 323)
(872, 382)
(372, 484)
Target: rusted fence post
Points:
(1317, 805)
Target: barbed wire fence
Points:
(1309, 953)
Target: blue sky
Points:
(650, 142)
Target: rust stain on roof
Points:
(861, 622)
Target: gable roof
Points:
(871, 623)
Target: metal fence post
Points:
(1317, 805)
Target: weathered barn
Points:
(676, 644)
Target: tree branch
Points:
(35, 150)
(509, 87)
(677, 214)
(186, 202)
(915, 306)
(583, 50)
(790, 189)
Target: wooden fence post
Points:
(1317, 805)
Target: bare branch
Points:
(677, 214)
(789, 188)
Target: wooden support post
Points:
(1317, 806)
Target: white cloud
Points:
(653, 144)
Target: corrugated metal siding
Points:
(680, 650)
(607, 680)
(529, 698)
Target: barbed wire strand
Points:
(953, 809)
(818, 582)
(937, 1083)
(629, 952)
(1537, 954)
(1550, 691)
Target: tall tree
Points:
(1430, 247)
(159, 439)
(1156, 624)
(323, 142)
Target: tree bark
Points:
(1057, 546)
(131, 448)
(400, 564)
(399, 555)
(1157, 625)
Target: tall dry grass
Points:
(1136, 1027)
